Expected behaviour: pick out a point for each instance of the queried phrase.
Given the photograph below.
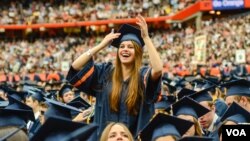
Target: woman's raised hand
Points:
(143, 26)
(109, 38)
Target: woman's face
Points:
(191, 130)
(126, 52)
(117, 132)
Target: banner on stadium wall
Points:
(200, 43)
(240, 56)
(228, 4)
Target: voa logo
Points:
(236, 132)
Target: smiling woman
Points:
(115, 131)
(125, 90)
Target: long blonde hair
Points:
(198, 130)
(105, 132)
(135, 92)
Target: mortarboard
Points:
(16, 104)
(59, 109)
(13, 118)
(79, 103)
(128, 32)
(51, 94)
(65, 88)
(82, 134)
(196, 138)
(185, 92)
(19, 106)
(238, 87)
(236, 114)
(198, 83)
(19, 95)
(171, 88)
(187, 106)
(56, 128)
(212, 80)
(37, 94)
(203, 95)
(165, 102)
(163, 125)
(16, 113)
(180, 83)
(190, 78)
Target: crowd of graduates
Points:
(193, 107)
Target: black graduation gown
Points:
(94, 79)
(35, 126)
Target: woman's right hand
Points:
(109, 38)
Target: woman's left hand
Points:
(143, 26)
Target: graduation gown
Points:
(33, 129)
(95, 80)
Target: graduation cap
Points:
(181, 83)
(65, 88)
(85, 133)
(79, 103)
(239, 87)
(163, 125)
(36, 94)
(196, 138)
(51, 94)
(203, 95)
(128, 32)
(190, 78)
(19, 95)
(5, 87)
(16, 113)
(198, 83)
(165, 103)
(56, 128)
(212, 80)
(171, 88)
(59, 109)
(13, 117)
(185, 92)
(17, 105)
(187, 106)
(236, 114)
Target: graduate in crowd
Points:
(34, 99)
(125, 91)
(238, 91)
(210, 121)
(116, 131)
(164, 127)
(14, 118)
(234, 115)
(66, 93)
(188, 109)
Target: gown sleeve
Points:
(90, 78)
(152, 88)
